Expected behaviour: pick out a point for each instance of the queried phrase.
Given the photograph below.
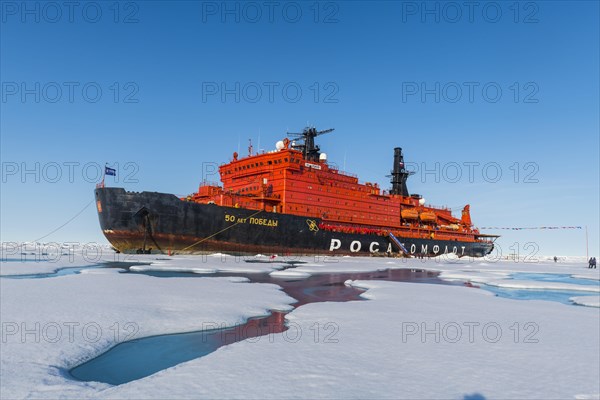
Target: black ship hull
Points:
(163, 223)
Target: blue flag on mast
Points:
(110, 171)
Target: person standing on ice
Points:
(555, 259)
(593, 262)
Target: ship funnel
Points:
(399, 174)
(466, 216)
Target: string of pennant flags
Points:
(533, 227)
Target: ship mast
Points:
(308, 147)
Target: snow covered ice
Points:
(408, 340)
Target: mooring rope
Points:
(221, 231)
(66, 223)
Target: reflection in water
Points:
(139, 358)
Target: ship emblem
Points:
(312, 225)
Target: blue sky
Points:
(501, 87)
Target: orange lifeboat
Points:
(428, 216)
(410, 213)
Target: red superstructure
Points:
(296, 179)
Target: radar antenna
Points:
(308, 147)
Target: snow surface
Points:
(289, 274)
(332, 350)
(49, 258)
(29, 267)
(452, 268)
(589, 301)
(34, 364)
(368, 357)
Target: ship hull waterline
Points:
(163, 223)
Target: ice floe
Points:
(589, 301)
(385, 347)
(395, 345)
(51, 325)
